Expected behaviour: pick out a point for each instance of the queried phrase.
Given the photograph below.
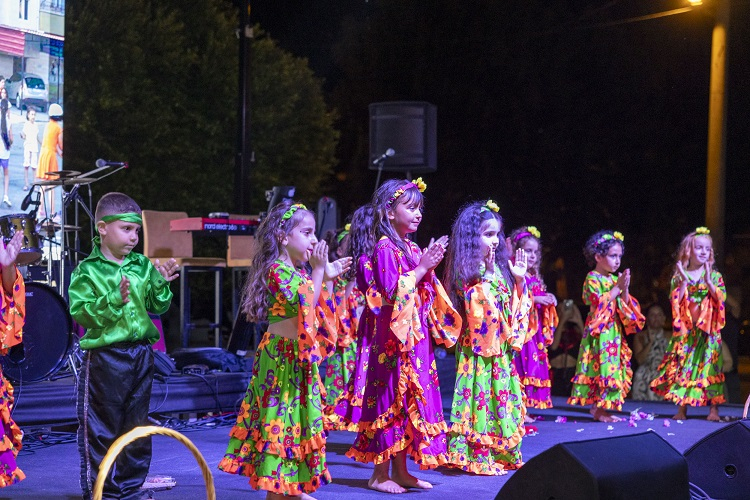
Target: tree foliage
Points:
(156, 83)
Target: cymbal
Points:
(63, 174)
(53, 227)
(65, 182)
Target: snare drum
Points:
(47, 337)
(25, 223)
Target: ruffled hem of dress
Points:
(493, 441)
(538, 404)
(272, 484)
(298, 451)
(386, 420)
(596, 401)
(536, 382)
(335, 422)
(497, 469)
(424, 461)
(599, 382)
(14, 477)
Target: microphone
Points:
(27, 199)
(388, 153)
(104, 163)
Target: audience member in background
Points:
(648, 349)
(31, 142)
(6, 141)
(52, 147)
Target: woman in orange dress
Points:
(52, 146)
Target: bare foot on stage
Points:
(385, 485)
(713, 414)
(602, 416)
(681, 414)
(408, 481)
(528, 419)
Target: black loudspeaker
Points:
(409, 128)
(719, 464)
(639, 466)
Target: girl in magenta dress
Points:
(347, 412)
(487, 414)
(402, 412)
(532, 363)
(13, 313)
(278, 440)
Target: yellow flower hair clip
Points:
(421, 185)
(534, 232)
(702, 230)
(348, 227)
(492, 206)
(618, 236)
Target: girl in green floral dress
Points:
(690, 373)
(278, 440)
(603, 374)
(487, 414)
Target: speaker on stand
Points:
(403, 137)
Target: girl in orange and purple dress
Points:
(532, 363)
(487, 414)
(402, 410)
(348, 300)
(279, 439)
(603, 374)
(345, 414)
(690, 373)
(13, 313)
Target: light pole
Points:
(716, 161)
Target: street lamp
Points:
(716, 161)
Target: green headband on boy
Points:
(125, 217)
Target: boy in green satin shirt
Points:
(111, 293)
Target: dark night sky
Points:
(620, 115)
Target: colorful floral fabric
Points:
(346, 413)
(402, 410)
(532, 363)
(690, 373)
(603, 374)
(278, 440)
(487, 413)
(11, 322)
(341, 364)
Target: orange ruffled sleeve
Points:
(547, 316)
(405, 322)
(596, 293)
(13, 314)
(443, 321)
(317, 324)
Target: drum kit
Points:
(50, 337)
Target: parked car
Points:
(27, 89)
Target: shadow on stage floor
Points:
(52, 469)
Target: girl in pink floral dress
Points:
(278, 440)
(532, 363)
(487, 414)
(402, 411)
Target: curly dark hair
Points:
(463, 257)
(269, 235)
(599, 243)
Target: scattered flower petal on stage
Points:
(670, 433)
(579, 430)
(680, 422)
(561, 420)
(610, 428)
(667, 423)
(632, 423)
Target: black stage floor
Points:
(50, 459)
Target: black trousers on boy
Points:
(114, 392)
